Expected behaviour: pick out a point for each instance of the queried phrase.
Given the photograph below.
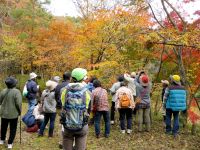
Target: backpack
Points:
(125, 101)
(25, 91)
(29, 118)
(74, 115)
(49, 103)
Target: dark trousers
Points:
(13, 129)
(97, 120)
(169, 114)
(112, 113)
(125, 113)
(47, 117)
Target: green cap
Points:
(79, 73)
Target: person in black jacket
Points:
(65, 82)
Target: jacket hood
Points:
(75, 86)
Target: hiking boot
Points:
(2, 142)
(129, 131)
(123, 131)
(112, 122)
(106, 135)
(10, 146)
(98, 136)
(60, 146)
(40, 135)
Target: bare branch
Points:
(174, 9)
(155, 15)
(168, 15)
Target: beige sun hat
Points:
(165, 82)
(51, 85)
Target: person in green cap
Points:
(76, 107)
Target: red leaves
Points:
(188, 1)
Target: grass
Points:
(153, 140)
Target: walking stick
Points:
(20, 130)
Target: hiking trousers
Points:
(144, 116)
(97, 120)
(79, 137)
(169, 113)
(13, 128)
(112, 112)
(125, 113)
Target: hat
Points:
(10, 82)
(165, 82)
(56, 79)
(176, 79)
(133, 74)
(32, 75)
(144, 80)
(51, 85)
(79, 74)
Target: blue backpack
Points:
(29, 118)
(74, 115)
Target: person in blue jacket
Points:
(174, 102)
(32, 89)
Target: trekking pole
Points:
(20, 130)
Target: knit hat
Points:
(165, 82)
(144, 80)
(51, 85)
(176, 79)
(32, 75)
(11, 82)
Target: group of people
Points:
(81, 100)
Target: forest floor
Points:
(156, 139)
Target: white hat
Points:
(133, 74)
(51, 84)
(32, 75)
(56, 78)
(165, 82)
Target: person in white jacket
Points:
(125, 105)
(37, 112)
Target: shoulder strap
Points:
(5, 95)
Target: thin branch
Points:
(155, 16)
(173, 44)
(174, 9)
(168, 15)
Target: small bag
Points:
(138, 100)
(25, 91)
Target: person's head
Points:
(175, 79)
(56, 79)
(142, 72)
(120, 78)
(165, 83)
(51, 85)
(133, 74)
(96, 83)
(79, 74)
(32, 76)
(92, 79)
(10, 82)
(66, 76)
(123, 84)
(144, 80)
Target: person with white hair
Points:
(49, 107)
(32, 89)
